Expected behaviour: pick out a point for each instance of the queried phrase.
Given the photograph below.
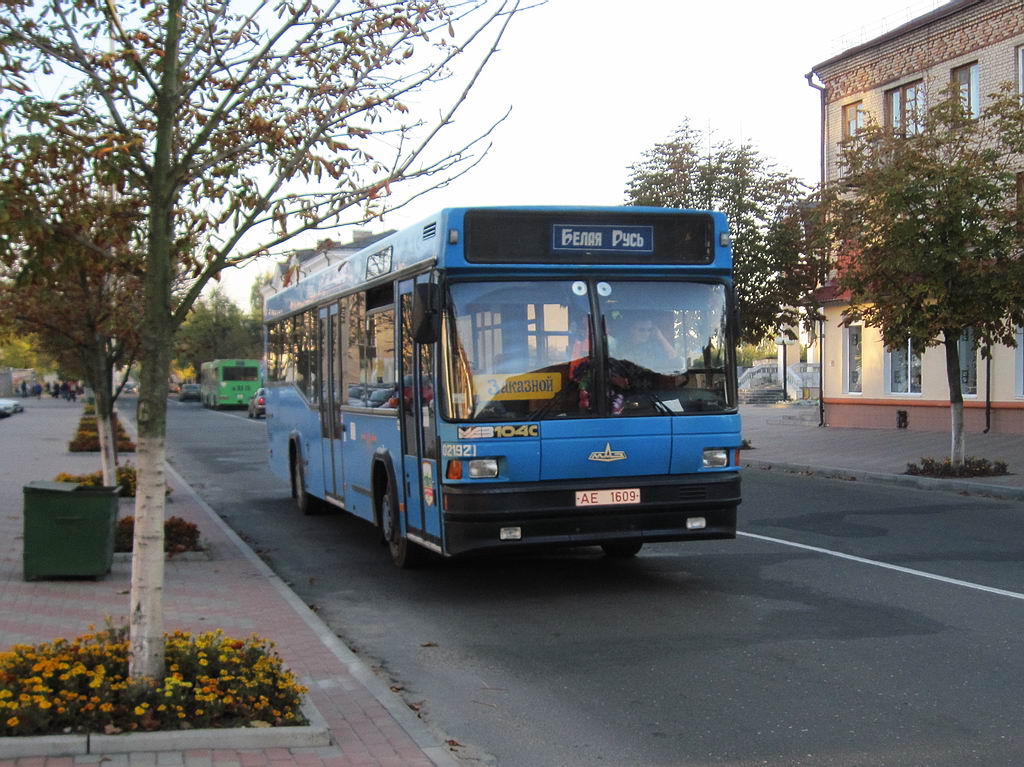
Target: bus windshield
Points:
(535, 350)
(240, 373)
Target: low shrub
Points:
(83, 685)
(971, 467)
(126, 479)
(179, 535)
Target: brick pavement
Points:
(787, 437)
(231, 590)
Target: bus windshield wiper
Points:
(656, 402)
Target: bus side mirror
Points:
(425, 312)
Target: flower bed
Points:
(87, 439)
(82, 686)
(971, 467)
(126, 479)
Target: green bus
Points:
(229, 383)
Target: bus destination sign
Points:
(602, 238)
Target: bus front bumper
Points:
(547, 516)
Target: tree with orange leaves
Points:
(236, 127)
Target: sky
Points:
(593, 84)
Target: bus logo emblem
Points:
(607, 455)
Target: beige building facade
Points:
(978, 44)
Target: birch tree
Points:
(929, 231)
(240, 126)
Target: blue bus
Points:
(502, 379)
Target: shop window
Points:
(903, 369)
(853, 353)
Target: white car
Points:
(9, 407)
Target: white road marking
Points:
(886, 566)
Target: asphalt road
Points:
(849, 624)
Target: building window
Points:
(903, 369)
(853, 119)
(852, 349)
(1020, 69)
(1020, 362)
(967, 349)
(1020, 203)
(967, 80)
(904, 109)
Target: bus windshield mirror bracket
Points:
(425, 313)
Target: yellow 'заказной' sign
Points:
(524, 386)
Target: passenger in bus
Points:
(639, 340)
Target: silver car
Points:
(10, 407)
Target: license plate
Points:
(608, 497)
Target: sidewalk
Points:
(788, 438)
(232, 590)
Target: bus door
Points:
(331, 429)
(420, 481)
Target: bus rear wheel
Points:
(622, 549)
(404, 553)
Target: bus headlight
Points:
(483, 468)
(715, 458)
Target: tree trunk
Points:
(956, 397)
(99, 375)
(146, 618)
(105, 424)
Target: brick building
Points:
(979, 44)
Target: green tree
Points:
(768, 212)
(256, 295)
(929, 233)
(18, 350)
(238, 126)
(217, 328)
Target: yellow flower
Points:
(140, 710)
(13, 722)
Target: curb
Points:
(958, 486)
(306, 736)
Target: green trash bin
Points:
(68, 529)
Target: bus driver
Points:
(642, 343)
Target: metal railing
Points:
(800, 378)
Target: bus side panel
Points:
(287, 414)
(364, 435)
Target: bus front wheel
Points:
(404, 553)
(306, 503)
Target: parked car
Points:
(189, 392)
(258, 403)
(382, 397)
(10, 407)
